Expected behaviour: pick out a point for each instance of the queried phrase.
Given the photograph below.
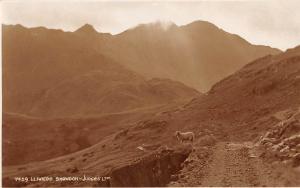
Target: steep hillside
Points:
(240, 108)
(27, 139)
(38, 59)
(99, 92)
(245, 102)
(52, 73)
(198, 54)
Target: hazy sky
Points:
(269, 22)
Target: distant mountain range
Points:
(198, 54)
(51, 73)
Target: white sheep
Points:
(187, 136)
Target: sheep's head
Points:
(177, 135)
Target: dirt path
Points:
(231, 164)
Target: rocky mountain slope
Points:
(37, 61)
(198, 54)
(238, 109)
(51, 73)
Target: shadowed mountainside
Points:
(49, 72)
(29, 139)
(239, 108)
(198, 54)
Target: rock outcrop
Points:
(153, 170)
(282, 141)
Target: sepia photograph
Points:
(150, 93)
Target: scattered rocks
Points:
(175, 184)
(192, 167)
(151, 146)
(90, 154)
(152, 124)
(73, 170)
(283, 140)
(174, 177)
(121, 134)
(141, 148)
(285, 149)
(71, 159)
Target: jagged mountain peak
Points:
(86, 28)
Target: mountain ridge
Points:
(181, 54)
(63, 74)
